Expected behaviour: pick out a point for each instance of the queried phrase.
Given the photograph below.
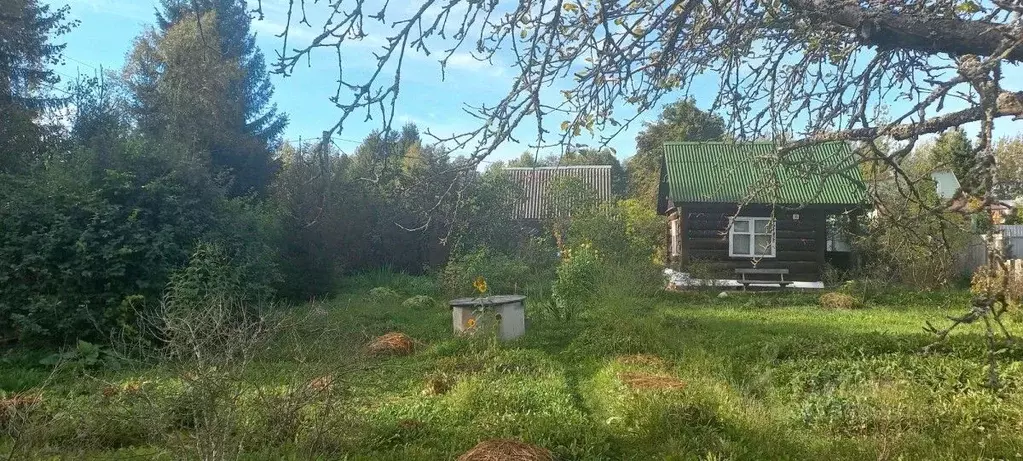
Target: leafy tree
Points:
(679, 121)
(1009, 164)
(527, 160)
(952, 151)
(27, 51)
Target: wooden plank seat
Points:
(762, 277)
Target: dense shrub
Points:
(76, 256)
(991, 282)
(912, 245)
(576, 282)
(81, 254)
(504, 274)
(629, 238)
(623, 232)
(419, 302)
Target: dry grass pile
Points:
(506, 450)
(393, 343)
(836, 300)
(639, 381)
(322, 384)
(11, 406)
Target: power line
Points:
(82, 63)
(317, 138)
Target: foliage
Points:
(253, 90)
(989, 281)
(913, 241)
(92, 239)
(340, 214)
(1009, 164)
(678, 122)
(629, 237)
(84, 356)
(211, 273)
(624, 231)
(419, 302)
(576, 280)
(190, 91)
(81, 256)
(764, 376)
(504, 274)
(384, 293)
(28, 29)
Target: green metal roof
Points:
(823, 174)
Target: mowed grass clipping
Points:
(673, 376)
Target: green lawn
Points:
(671, 376)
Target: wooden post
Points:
(854, 233)
(683, 238)
(821, 241)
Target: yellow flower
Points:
(480, 284)
(471, 323)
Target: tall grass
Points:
(634, 376)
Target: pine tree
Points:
(26, 57)
(199, 80)
(237, 43)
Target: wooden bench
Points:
(746, 282)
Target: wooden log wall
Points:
(801, 243)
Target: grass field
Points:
(664, 376)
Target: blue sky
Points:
(108, 27)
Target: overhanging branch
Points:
(924, 32)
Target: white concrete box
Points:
(508, 310)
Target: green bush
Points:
(383, 293)
(576, 281)
(504, 274)
(623, 232)
(419, 302)
(73, 255)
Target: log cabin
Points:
(732, 207)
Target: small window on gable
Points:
(751, 238)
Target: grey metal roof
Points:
(727, 172)
(1012, 231)
(536, 201)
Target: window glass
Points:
(740, 225)
(763, 245)
(740, 244)
(762, 226)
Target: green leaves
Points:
(969, 7)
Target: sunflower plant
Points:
(576, 280)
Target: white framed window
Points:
(751, 238)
